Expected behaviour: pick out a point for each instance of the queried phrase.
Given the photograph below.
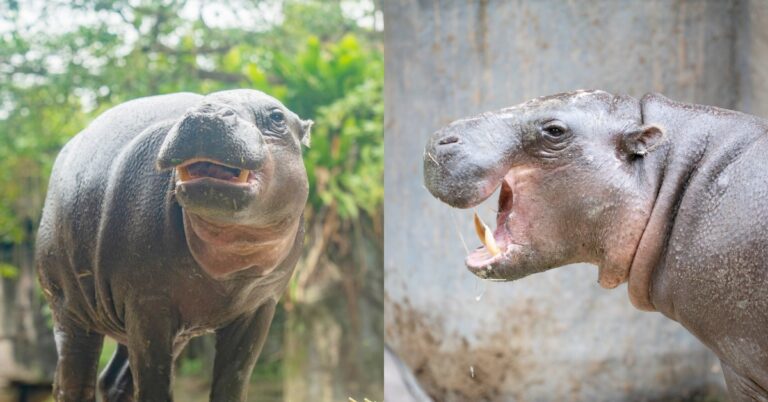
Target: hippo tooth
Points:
(243, 177)
(183, 174)
(486, 236)
(479, 228)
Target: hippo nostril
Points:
(206, 108)
(228, 113)
(452, 139)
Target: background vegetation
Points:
(64, 62)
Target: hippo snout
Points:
(209, 120)
(464, 161)
(443, 155)
(213, 133)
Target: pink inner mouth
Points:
(208, 169)
(482, 257)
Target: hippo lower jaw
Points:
(494, 267)
(220, 191)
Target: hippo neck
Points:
(222, 250)
(694, 134)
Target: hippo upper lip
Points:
(478, 193)
(209, 160)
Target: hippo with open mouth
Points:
(166, 218)
(669, 197)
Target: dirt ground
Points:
(187, 389)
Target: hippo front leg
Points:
(150, 329)
(78, 351)
(237, 348)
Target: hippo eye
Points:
(277, 117)
(555, 129)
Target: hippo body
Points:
(712, 273)
(122, 245)
(669, 197)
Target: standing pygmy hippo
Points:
(671, 197)
(166, 218)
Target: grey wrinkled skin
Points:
(129, 250)
(671, 197)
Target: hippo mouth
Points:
(215, 190)
(212, 171)
(499, 246)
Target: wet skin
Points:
(166, 218)
(669, 197)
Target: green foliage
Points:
(345, 162)
(191, 366)
(271, 370)
(106, 352)
(8, 271)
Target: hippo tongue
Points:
(214, 170)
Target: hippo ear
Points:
(642, 140)
(306, 127)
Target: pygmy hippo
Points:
(671, 197)
(166, 218)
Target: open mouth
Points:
(194, 170)
(497, 244)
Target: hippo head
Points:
(570, 171)
(239, 178)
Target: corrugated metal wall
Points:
(555, 336)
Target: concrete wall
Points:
(752, 56)
(557, 335)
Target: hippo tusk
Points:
(243, 177)
(486, 236)
(183, 174)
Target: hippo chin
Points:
(669, 197)
(166, 218)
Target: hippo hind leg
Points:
(78, 352)
(741, 388)
(116, 381)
